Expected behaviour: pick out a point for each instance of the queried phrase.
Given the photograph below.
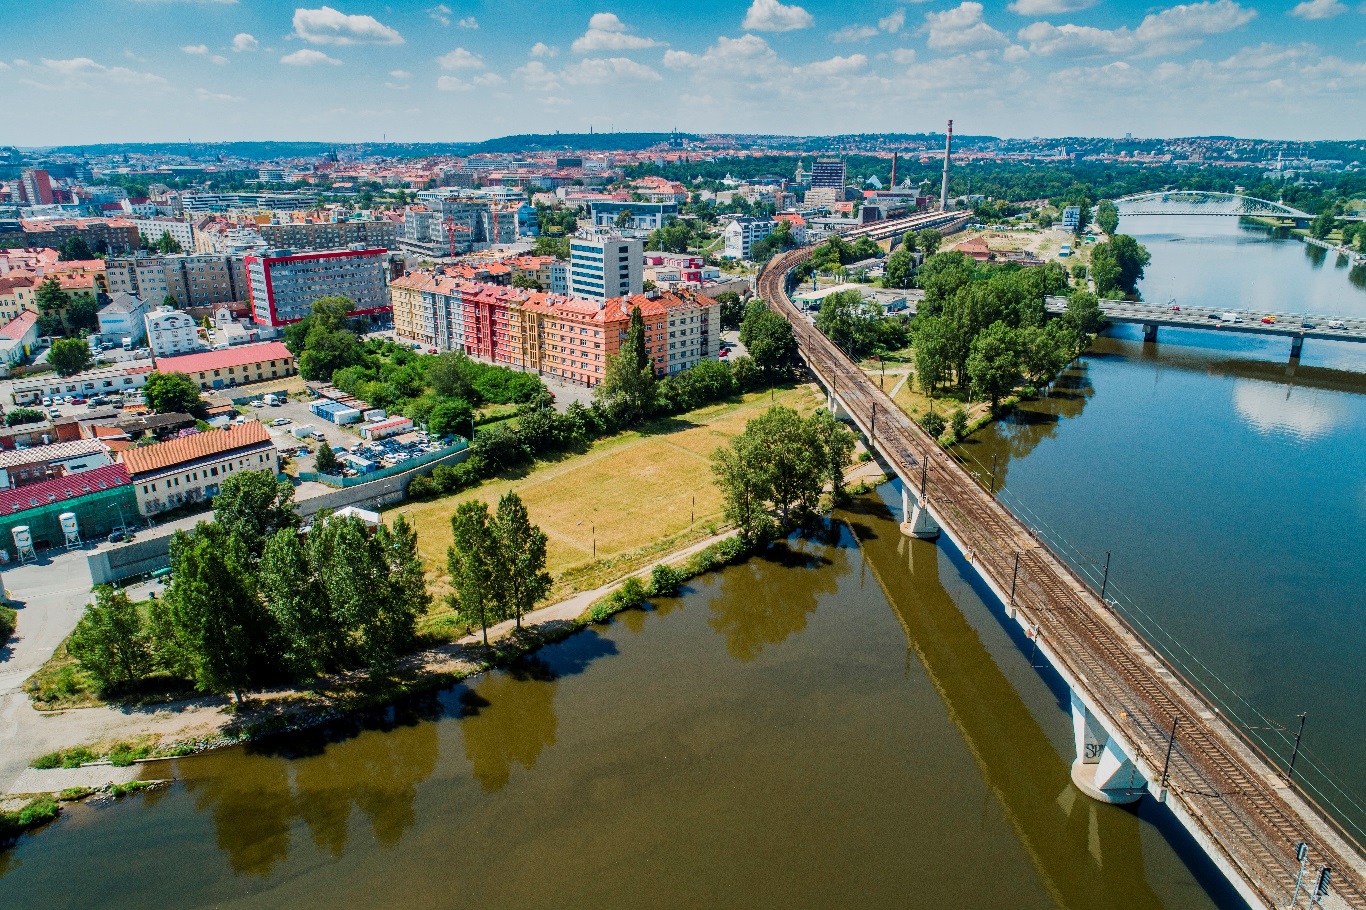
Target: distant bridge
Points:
(1200, 202)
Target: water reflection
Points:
(510, 718)
(373, 766)
(1020, 764)
(760, 607)
(1303, 413)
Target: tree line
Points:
(254, 601)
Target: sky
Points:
(80, 71)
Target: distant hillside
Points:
(266, 151)
(579, 142)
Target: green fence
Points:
(334, 480)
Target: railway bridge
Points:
(1141, 731)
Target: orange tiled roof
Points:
(197, 446)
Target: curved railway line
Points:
(1227, 789)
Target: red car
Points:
(1174, 308)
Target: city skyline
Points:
(212, 70)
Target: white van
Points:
(1232, 317)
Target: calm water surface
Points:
(836, 725)
(1229, 486)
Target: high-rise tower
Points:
(944, 187)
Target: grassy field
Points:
(639, 494)
(912, 401)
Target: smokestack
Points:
(944, 187)
(893, 186)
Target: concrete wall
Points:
(152, 550)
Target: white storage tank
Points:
(70, 529)
(22, 538)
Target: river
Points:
(845, 722)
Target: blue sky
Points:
(76, 71)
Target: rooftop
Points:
(237, 356)
(147, 459)
(57, 451)
(59, 489)
(122, 303)
(18, 327)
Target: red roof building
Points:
(232, 366)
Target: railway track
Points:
(1219, 777)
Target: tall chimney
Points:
(893, 186)
(944, 187)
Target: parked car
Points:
(47, 401)
(1174, 308)
(54, 413)
(319, 436)
(1232, 317)
(1211, 315)
(281, 422)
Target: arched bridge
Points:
(1201, 202)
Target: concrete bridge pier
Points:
(1296, 346)
(1150, 331)
(916, 520)
(1101, 770)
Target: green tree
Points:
(958, 422)
(450, 417)
(326, 462)
(83, 313)
(172, 393)
(1323, 224)
(74, 249)
(732, 309)
(23, 415)
(552, 246)
(321, 342)
(929, 241)
(212, 628)
(111, 642)
(743, 486)
(625, 219)
(252, 505)
(472, 561)
(769, 340)
(70, 356)
(449, 375)
(1107, 217)
(908, 241)
(1083, 314)
(523, 280)
(374, 587)
(995, 362)
(1117, 265)
(627, 390)
(932, 346)
(167, 245)
(900, 269)
(52, 302)
(312, 639)
(850, 322)
(522, 580)
(170, 301)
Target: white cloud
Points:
(452, 84)
(606, 32)
(202, 50)
(835, 66)
(960, 28)
(489, 79)
(892, 23)
(308, 57)
(1047, 40)
(1182, 27)
(853, 33)
(772, 16)
(460, 59)
(204, 94)
(326, 25)
(605, 70)
(538, 76)
(441, 13)
(244, 42)
(1318, 9)
(81, 69)
(1049, 7)
(747, 55)
(400, 74)
(468, 22)
(1014, 54)
(903, 55)
(541, 49)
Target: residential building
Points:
(35, 187)
(236, 365)
(559, 278)
(126, 377)
(742, 233)
(374, 233)
(195, 281)
(17, 295)
(424, 233)
(642, 216)
(191, 468)
(827, 182)
(171, 332)
(284, 287)
(152, 230)
(201, 203)
(122, 317)
(21, 467)
(796, 223)
(603, 266)
(101, 498)
(18, 338)
(115, 236)
(1071, 218)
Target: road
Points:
(1285, 324)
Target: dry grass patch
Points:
(633, 491)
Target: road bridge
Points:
(1140, 729)
(1295, 326)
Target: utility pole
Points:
(1105, 578)
(1296, 754)
(993, 474)
(1014, 575)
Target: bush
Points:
(959, 423)
(421, 487)
(732, 549)
(933, 424)
(630, 595)
(23, 415)
(705, 560)
(65, 758)
(666, 581)
(36, 812)
(8, 620)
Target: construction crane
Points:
(451, 228)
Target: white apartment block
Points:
(123, 317)
(603, 266)
(171, 332)
(152, 229)
(742, 233)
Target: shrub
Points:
(36, 812)
(666, 581)
(630, 595)
(421, 487)
(65, 758)
(959, 423)
(933, 423)
(732, 549)
(705, 560)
